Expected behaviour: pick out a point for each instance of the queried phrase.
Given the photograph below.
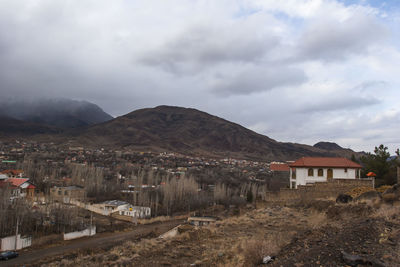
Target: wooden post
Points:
(398, 174)
(16, 234)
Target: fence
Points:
(87, 232)
(8, 243)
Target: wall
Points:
(302, 177)
(8, 243)
(79, 234)
(320, 189)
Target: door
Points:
(330, 173)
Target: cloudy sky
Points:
(294, 70)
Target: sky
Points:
(296, 70)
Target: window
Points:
(320, 172)
(294, 174)
(310, 172)
(345, 169)
(59, 192)
(293, 184)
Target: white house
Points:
(125, 209)
(308, 170)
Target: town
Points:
(55, 192)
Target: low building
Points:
(123, 208)
(309, 170)
(67, 193)
(201, 221)
(20, 187)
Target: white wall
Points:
(8, 243)
(79, 234)
(302, 177)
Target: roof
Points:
(13, 172)
(115, 203)
(371, 174)
(282, 167)
(325, 162)
(17, 181)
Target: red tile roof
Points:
(325, 162)
(371, 174)
(279, 167)
(17, 181)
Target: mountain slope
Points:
(61, 113)
(15, 128)
(190, 131)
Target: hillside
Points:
(190, 131)
(61, 113)
(15, 128)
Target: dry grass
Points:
(383, 188)
(389, 213)
(161, 219)
(355, 192)
(317, 220)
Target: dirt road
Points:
(100, 241)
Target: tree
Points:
(381, 164)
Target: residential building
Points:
(67, 193)
(308, 170)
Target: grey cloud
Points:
(259, 79)
(333, 40)
(204, 46)
(371, 85)
(336, 103)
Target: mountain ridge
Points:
(57, 112)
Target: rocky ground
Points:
(317, 233)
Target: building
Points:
(308, 170)
(201, 221)
(123, 208)
(20, 187)
(67, 193)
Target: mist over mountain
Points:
(60, 112)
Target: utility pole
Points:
(91, 223)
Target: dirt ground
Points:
(101, 242)
(319, 233)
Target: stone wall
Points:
(329, 189)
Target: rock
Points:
(355, 260)
(268, 259)
(395, 189)
(344, 198)
(392, 194)
(370, 195)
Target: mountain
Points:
(328, 146)
(189, 131)
(336, 149)
(15, 128)
(61, 113)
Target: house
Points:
(135, 211)
(308, 170)
(125, 209)
(13, 173)
(200, 221)
(20, 187)
(279, 167)
(67, 193)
